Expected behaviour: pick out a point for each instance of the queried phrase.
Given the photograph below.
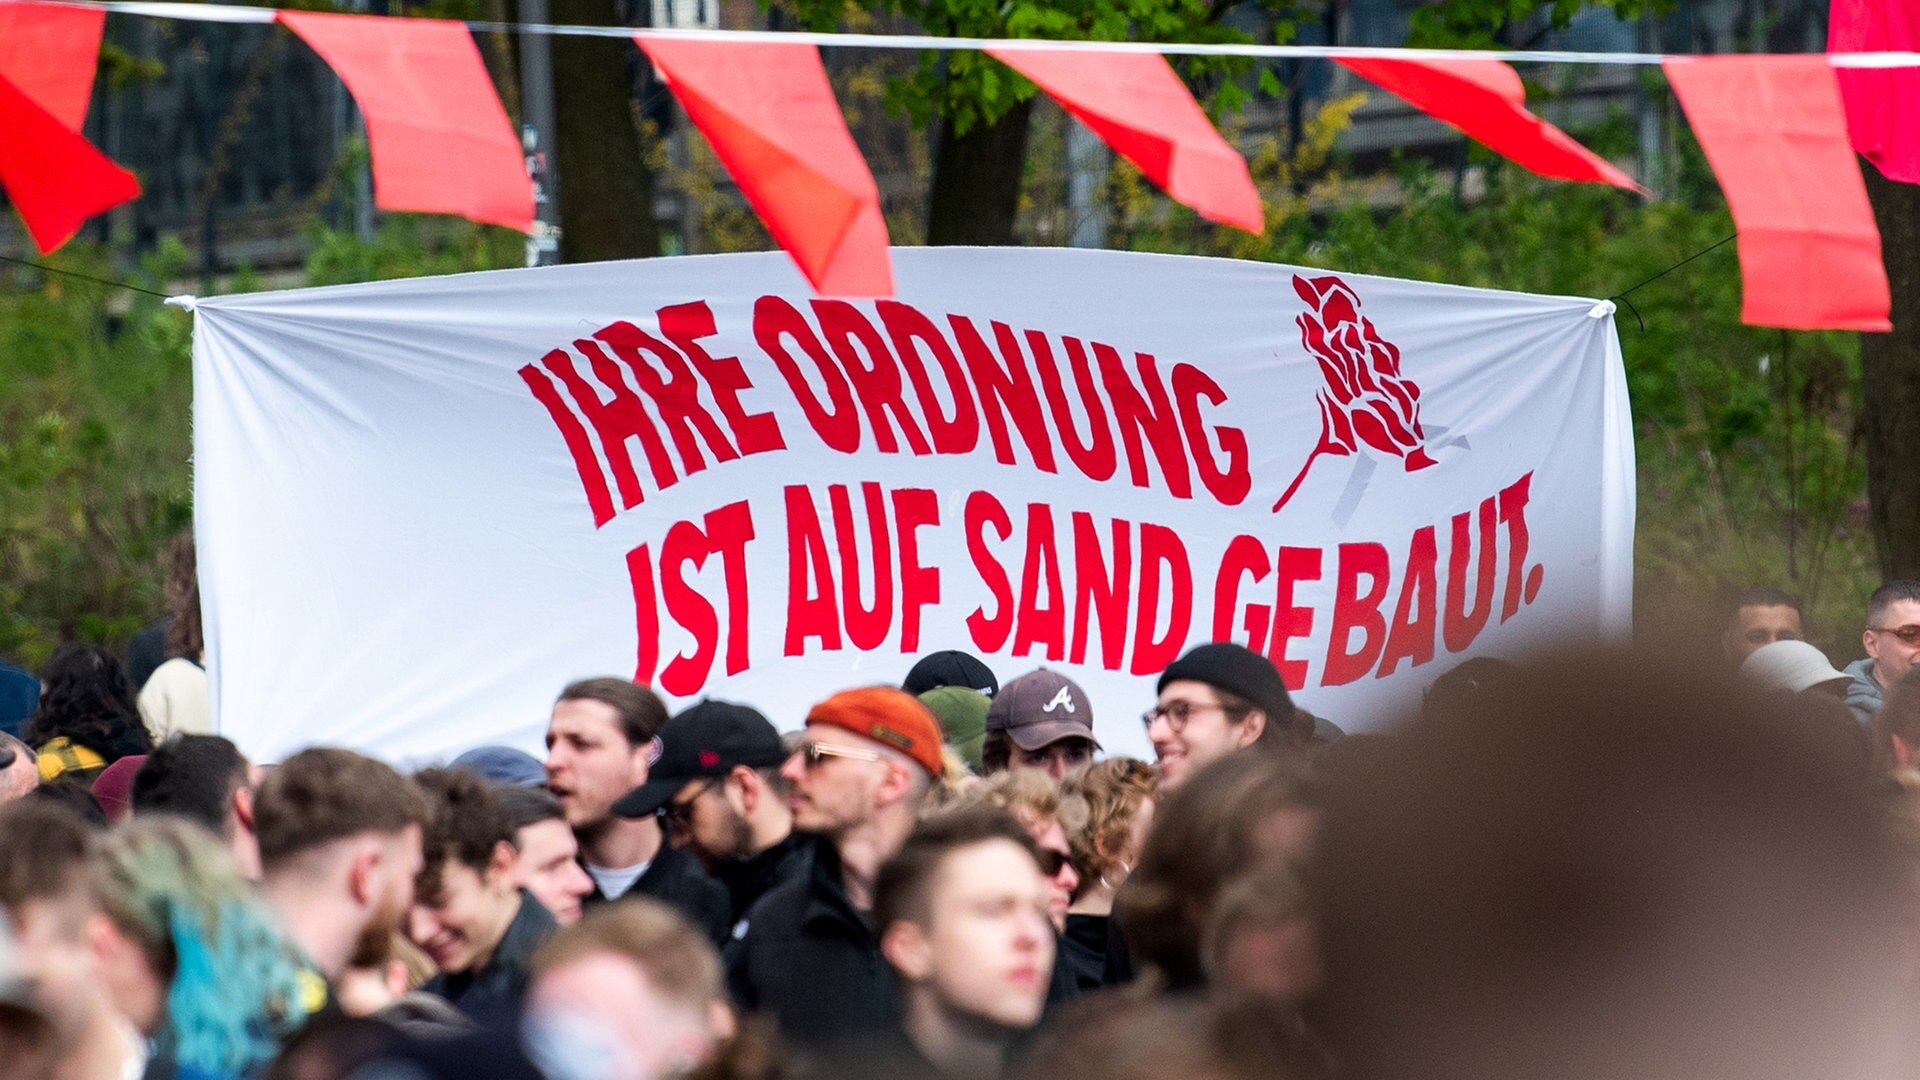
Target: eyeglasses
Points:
(1908, 634)
(816, 752)
(1176, 714)
(1052, 862)
(677, 812)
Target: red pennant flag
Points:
(1486, 101)
(52, 174)
(1882, 104)
(1775, 133)
(440, 139)
(1137, 103)
(48, 52)
(771, 116)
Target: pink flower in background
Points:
(1366, 400)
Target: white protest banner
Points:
(423, 506)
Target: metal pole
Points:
(537, 137)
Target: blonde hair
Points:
(677, 958)
(1112, 792)
(1029, 795)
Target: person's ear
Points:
(1867, 643)
(1903, 752)
(500, 865)
(721, 1021)
(242, 807)
(1252, 728)
(747, 783)
(363, 874)
(895, 785)
(905, 947)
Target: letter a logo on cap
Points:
(1063, 696)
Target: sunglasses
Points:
(816, 752)
(1908, 634)
(677, 812)
(1051, 862)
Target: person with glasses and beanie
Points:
(811, 957)
(1217, 699)
(718, 793)
(1892, 640)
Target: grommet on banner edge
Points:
(1602, 309)
(185, 301)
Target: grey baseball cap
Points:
(1040, 708)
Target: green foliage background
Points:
(1750, 469)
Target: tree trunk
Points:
(606, 192)
(1890, 384)
(976, 181)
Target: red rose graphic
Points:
(1366, 400)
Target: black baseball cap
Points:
(707, 739)
(950, 667)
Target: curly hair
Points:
(88, 699)
(232, 978)
(1112, 791)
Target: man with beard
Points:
(717, 789)
(810, 957)
(340, 847)
(1217, 700)
(601, 740)
(469, 914)
(962, 914)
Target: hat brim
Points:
(1032, 737)
(647, 799)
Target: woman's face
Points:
(1137, 833)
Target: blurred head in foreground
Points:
(1615, 869)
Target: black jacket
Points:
(749, 879)
(492, 993)
(811, 961)
(676, 878)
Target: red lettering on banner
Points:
(613, 421)
(913, 509)
(984, 512)
(686, 325)
(811, 608)
(1291, 621)
(1353, 610)
(723, 532)
(1005, 391)
(1230, 482)
(1100, 588)
(1039, 623)
(1416, 616)
(592, 479)
(676, 396)
(876, 383)
(836, 422)
(1513, 514)
(1244, 555)
(867, 626)
(915, 337)
(1094, 455)
(1465, 619)
(1148, 414)
(1160, 547)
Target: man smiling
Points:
(478, 927)
(1215, 700)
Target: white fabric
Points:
(398, 553)
(614, 883)
(174, 700)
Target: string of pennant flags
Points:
(1780, 131)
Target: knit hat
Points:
(951, 667)
(889, 716)
(963, 716)
(1040, 708)
(1240, 671)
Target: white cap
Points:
(1789, 665)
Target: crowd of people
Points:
(1592, 864)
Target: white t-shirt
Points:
(614, 883)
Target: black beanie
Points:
(1237, 670)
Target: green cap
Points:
(963, 719)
